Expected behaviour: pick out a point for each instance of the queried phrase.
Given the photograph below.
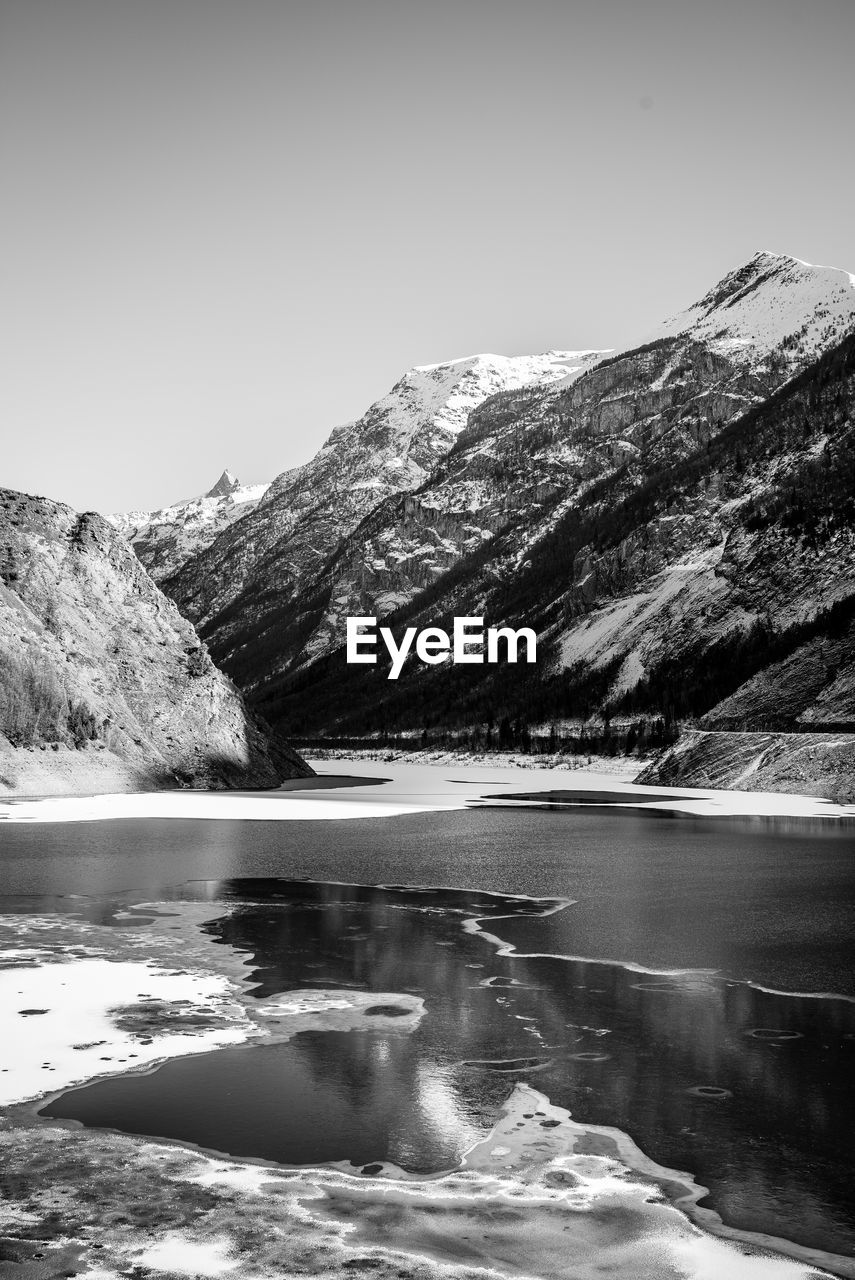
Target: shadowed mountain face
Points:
(102, 682)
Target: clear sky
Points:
(229, 226)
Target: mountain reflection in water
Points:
(748, 1090)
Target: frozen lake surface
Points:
(685, 980)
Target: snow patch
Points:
(399, 789)
(58, 1029)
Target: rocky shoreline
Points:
(812, 764)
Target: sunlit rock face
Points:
(102, 682)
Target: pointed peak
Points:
(226, 484)
(763, 265)
(770, 257)
(777, 269)
(771, 303)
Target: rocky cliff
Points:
(796, 763)
(103, 685)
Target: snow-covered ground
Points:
(397, 789)
(539, 1173)
(535, 1191)
(61, 1028)
(81, 1001)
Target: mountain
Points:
(103, 685)
(772, 303)
(483, 501)
(165, 539)
(693, 557)
(252, 580)
(225, 486)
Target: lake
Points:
(569, 983)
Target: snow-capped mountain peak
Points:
(390, 450)
(167, 538)
(772, 303)
(226, 484)
(401, 437)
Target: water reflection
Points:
(747, 1089)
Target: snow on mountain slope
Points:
(403, 434)
(268, 558)
(165, 539)
(772, 303)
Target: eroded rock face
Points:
(812, 687)
(99, 670)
